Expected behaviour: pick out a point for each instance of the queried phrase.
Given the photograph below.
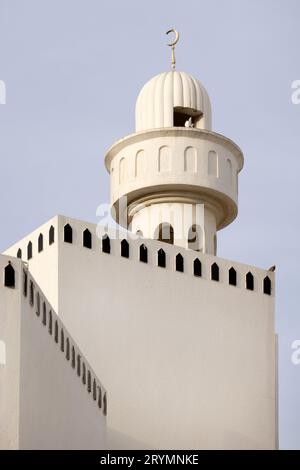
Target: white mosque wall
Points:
(189, 362)
(10, 326)
(44, 402)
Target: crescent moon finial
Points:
(173, 45)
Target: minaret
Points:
(175, 179)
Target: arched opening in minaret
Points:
(9, 276)
(232, 276)
(68, 233)
(179, 263)
(143, 253)
(87, 238)
(213, 163)
(249, 281)
(195, 238)
(165, 233)
(197, 267)
(215, 272)
(125, 248)
(19, 253)
(267, 285)
(186, 117)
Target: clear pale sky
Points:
(73, 69)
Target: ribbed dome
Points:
(166, 91)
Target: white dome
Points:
(171, 97)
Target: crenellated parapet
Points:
(90, 237)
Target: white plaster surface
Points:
(188, 362)
(43, 403)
